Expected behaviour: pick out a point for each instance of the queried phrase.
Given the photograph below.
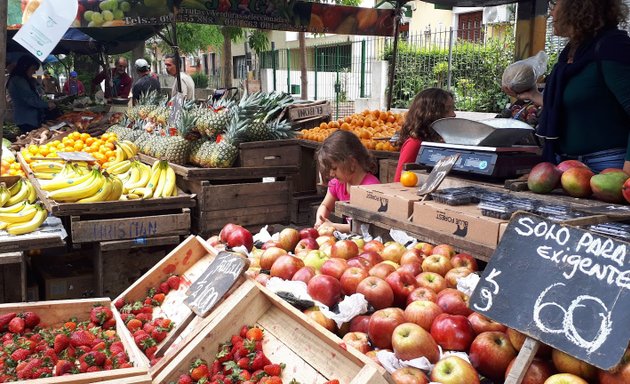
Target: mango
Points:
(607, 186)
(625, 190)
(567, 164)
(576, 181)
(544, 178)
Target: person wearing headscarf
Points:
(73, 87)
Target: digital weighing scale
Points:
(485, 147)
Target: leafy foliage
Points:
(200, 79)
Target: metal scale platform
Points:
(486, 147)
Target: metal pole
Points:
(450, 59)
(316, 63)
(337, 83)
(3, 60)
(176, 49)
(288, 71)
(273, 63)
(363, 59)
(392, 67)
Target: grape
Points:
(87, 15)
(118, 14)
(125, 6)
(97, 18)
(107, 15)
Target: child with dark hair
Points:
(343, 161)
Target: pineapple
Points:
(194, 156)
(220, 116)
(261, 108)
(226, 150)
(178, 145)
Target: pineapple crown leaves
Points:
(280, 130)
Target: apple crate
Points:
(55, 313)
(311, 354)
(188, 260)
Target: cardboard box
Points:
(390, 199)
(465, 221)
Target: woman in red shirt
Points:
(429, 105)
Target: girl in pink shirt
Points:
(344, 161)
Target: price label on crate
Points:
(215, 282)
(562, 285)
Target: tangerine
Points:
(409, 179)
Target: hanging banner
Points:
(45, 26)
(298, 16)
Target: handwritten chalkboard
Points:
(561, 285)
(438, 173)
(215, 282)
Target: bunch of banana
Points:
(161, 183)
(129, 148)
(137, 176)
(110, 190)
(22, 218)
(46, 169)
(125, 151)
(92, 187)
(19, 192)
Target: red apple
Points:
(402, 284)
(625, 190)
(371, 256)
(422, 313)
(454, 370)
(271, 243)
(425, 248)
(315, 259)
(382, 270)
(421, 293)
(411, 341)
(376, 291)
(491, 353)
(357, 340)
(359, 323)
(236, 236)
(344, 249)
(286, 266)
(359, 241)
(431, 280)
(568, 364)
(565, 378)
(393, 252)
(439, 264)
(306, 233)
(481, 324)
(325, 289)
(456, 273)
(412, 255)
(373, 246)
(382, 325)
(326, 230)
(326, 239)
(409, 375)
(351, 278)
(304, 274)
(413, 268)
(317, 316)
(334, 267)
(262, 279)
(536, 373)
(444, 249)
(517, 339)
(306, 244)
(464, 260)
(453, 301)
(269, 256)
(618, 375)
(452, 332)
(226, 230)
(360, 263)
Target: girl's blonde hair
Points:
(339, 148)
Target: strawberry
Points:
(150, 351)
(143, 316)
(259, 361)
(109, 324)
(335, 381)
(159, 298)
(119, 303)
(50, 353)
(148, 327)
(243, 363)
(274, 369)
(100, 346)
(116, 347)
(255, 334)
(61, 342)
(159, 334)
(100, 314)
(20, 354)
(164, 323)
(164, 288)
(173, 282)
(94, 368)
(16, 325)
(80, 338)
(62, 367)
(199, 370)
(243, 333)
(134, 324)
(185, 379)
(31, 319)
(148, 301)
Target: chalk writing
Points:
(486, 293)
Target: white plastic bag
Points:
(521, 76)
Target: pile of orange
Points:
(367, 125)
(10, 167)
(101, 148)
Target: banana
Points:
(120, 155)
(19, 217)
(80, 191)
(15, 188)
(45, 176)
(170, 187)
(123, 198)
(46, 166)
(27, 227)
(117, 189)
(155, 177)
(5, 195)
(132, 145)
(134, 173)
(56, 184)
(21, 195)
(14, 208)
(145, 175)
(3, 225)
(32, 194)
(119, 168)
(101, 194)
(159, 189)
(143, 193)
(129, 152)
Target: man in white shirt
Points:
(188, 86)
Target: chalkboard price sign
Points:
(215, 282)
(438, 173)
(561, 285)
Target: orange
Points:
(408, 179)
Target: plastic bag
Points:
(521, 76)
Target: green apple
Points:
(315, 259)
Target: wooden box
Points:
(270, 153)
(387, 170)
(301, 207)
(55, 313)
(311, 354)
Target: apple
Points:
(317, 316)
(315, 259)
(425, 248)
(371, 256)
(334, 267)
(454, 370)
(226, 230)
(360, 263)
(382, 324)
(420, 294)
(453, 301)
(357, 340)
(414, 268)
(372, 355)
(376, 291)
(491, 353)
(309, 233)
(395, 265)
(409, 375)
(359, 323)
(306, 244)
(326, 230)
(444, 249)
(393, 252)
(262, 279)
(464, 260)
(381, 270)
(423, 313)
(236, 236)
(304, 274)
(269, 256)
(344, 249)
(411, 341)
(517, 339)
(412, 255)
(373, 246)
(439, 264)
(565, 363)
(325, 289)
(537, 372)
(402, 284)
(360, 242)
(326, 248)
(456, 273)
(452, 332)
(286, 266)
(618, 375)
(431, 280)
(565, 378)
(271, 243)
(351, 278)
(481, 323)
(326, 239)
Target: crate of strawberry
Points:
(278, 345)
(65, 341)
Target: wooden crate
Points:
(387, 170)
(270, 153)
(12, 277)
(301, 207)
(311, 354)
(55, 313)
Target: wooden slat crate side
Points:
(306, 180)
(142, 379)
(210, 222)
(234, 196)
(118, 375)
(300, 207)
(387, 170)
(89, 231)
(274, 154)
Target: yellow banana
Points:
(3, 225)
(79, 191)
(119, 168)
(159, 189)
(5, 195)
(15, 188)
(81, 169)
(45, 176)
(132, 145)
(145, 175)
(117, 189)
(27, 227)
(32, 194)
(129, 152)
(56, 184)
(21, 195)
(155, 177)
(14, 208)
(143, 193)
(171, 187)
(19, 217)
(101, 194)
(120, 155)
(132, 196)
(134, 173)
(46, 166)
(123, 198)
